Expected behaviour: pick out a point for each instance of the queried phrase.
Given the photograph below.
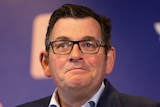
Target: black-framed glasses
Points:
(63, 47)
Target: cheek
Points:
(56, 64)
(97, 61)
(93, 60)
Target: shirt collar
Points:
(95, 98)
(54, 99)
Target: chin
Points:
(78, 83)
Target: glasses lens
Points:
(62, 47)
(89, 46)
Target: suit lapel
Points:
(109, 97)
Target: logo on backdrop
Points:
(1, 104)
(40, 24)
(157, 28)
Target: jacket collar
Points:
(109, 97)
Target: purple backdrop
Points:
(137, 68)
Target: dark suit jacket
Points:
(110, 98)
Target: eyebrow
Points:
(66, 38)
(88, 38)
(62, 38)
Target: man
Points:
(78, 56)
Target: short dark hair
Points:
(77, 11)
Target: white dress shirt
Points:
(95, 98)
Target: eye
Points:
(61, 45)
(89, 45)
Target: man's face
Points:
(77, 70)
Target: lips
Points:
(81, 68)
(77, 70)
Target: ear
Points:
(44, 60)
(111, 56)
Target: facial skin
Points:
(77, 71)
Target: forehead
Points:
(76, 28)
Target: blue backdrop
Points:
(137, 68)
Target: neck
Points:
(74, 97)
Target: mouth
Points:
(78, 70)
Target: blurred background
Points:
(135, 35)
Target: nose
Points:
(76, 54)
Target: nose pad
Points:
(76, 54)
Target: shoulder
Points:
(112, 97)
(43, 102)
(136, 101)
